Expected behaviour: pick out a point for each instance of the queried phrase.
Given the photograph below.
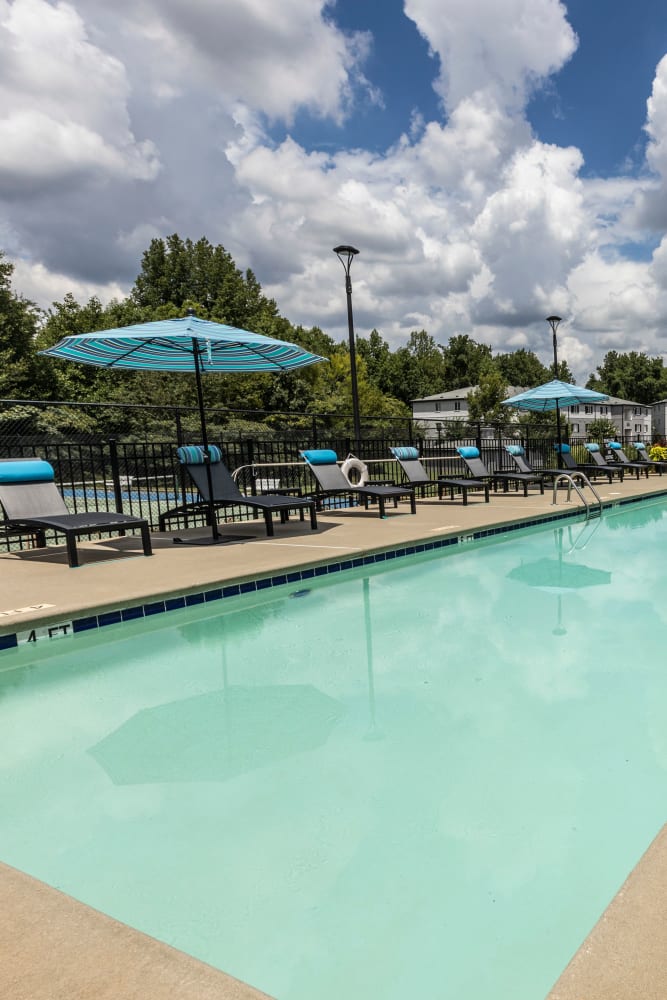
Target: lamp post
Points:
(553, 322)
(346, 255)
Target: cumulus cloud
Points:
(146, 117)
(65, 104)
(501, 49)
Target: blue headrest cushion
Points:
(406, 454)
(592, 447)
(468, 452)
(640, 446)
(564, 448)
(514, 449)
(34, 470)
(320, 456)
(193, 454)
(614, 444)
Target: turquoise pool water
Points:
(427, 780)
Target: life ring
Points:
(355, 465)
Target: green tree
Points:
(23, 374)
(632, 375)
(602, 428)
(484, 403)
(464, 361)
(522, 368)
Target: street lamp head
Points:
(553, 322)
(346, 255)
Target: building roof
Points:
(462, 393)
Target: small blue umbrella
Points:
(184, 345)
(552, 396)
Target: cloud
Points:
(504, 49)
(65, 101)
(148, 117)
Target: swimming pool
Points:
(422, 780)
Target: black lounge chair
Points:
(418, 477)
(478, 470)
(33, 505)
(622, 459)
(598, 462)
(651, 463)
(323, 464)
(227, 494)
(589, 469)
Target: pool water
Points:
(427, 780)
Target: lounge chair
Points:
(33, 505)
(323, 464)
(598, 462)
(620, 457)
(652, 463)
(227, 494)
(418, 477)
(478, 470)
(588, 468)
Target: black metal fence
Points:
(143, 477)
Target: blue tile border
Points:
(151, 608)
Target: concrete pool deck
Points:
(58, 948)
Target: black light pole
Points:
(553, 322)
(345, 256)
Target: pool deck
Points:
(56, 948)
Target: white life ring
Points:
(352, 464)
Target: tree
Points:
(633, 376)
(484, 403)
(23, 374)
(602, 428)
(522, 368)
(464, 361)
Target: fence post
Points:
(115, 475)
(478, 438)
(179, 428)
(314, 430)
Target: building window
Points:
(638, 428)
(575, 427)
(589, 409)
(438, 407)
(457, 404)
(574, 409)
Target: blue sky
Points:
(495, 161)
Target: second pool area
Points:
(424, 780)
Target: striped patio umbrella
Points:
(554, 395)
(184, 345)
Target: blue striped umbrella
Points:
(554, 395)
(188, 344)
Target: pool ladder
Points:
(591, 511)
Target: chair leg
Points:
(381, 505)
(464, 494)
(413, 502)
(268, 521)
(146, 540)
(313, 517)
(72, 554)
(486, 493)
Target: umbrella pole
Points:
(204, 436)
(560, 438)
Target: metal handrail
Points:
(567, 477)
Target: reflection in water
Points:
(559, 576)
(373, 732)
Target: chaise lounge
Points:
(418, 478)
(323, 463)
(478, 470)
(33, 505)
(588, 468)
(651, 463)
(227, 494)
(622, 459)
